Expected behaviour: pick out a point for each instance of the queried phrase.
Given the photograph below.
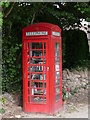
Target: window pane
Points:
(38, 61)
(37, 99)
(57, 45)
(36, 53)
(38, 68)
(36, 91)
(57, 97)
(57, 70)
(57, 60)
(57, 67)
(57, 90)
(35, 45)
(57, 53)
(28, 84)
(37, 76)
(57, 82)
(37, 72)
(57, 75)
(44, 45)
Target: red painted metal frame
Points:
(51, 105)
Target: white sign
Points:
(55, 33)
(36, 33)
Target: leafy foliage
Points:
(2, 110)
(10, 66)
(63, 93)
(77, 49)
(3, 100)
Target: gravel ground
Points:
(75, 107)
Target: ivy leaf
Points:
(79, 8)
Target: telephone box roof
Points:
(42, 25)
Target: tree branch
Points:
(33, 18)
(9, 10)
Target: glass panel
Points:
(57, 45)
(28, 76)
(57, 89)
(45, 99)
(37, 99)
(57, 67)
(38, 71)
(37, 76)
(45, 86)
(28, 48)
(44, 45)
(28, 83)
(44, 52)
(37, 53)
(57, 82)
(38, 84)
(57, 53)
(57, 70)
(57, 75)
(57, 60)
(44, 76)
(35, 45)
(37, 95)
(28, 68)
(28, 59)
(57, 97)
(38, 61)
(36, 91)
(38, 68)
(28, 72)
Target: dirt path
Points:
(73, 112)
(75, 107)
(76, 112)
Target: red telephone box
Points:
(42, 68)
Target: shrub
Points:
(76, 49)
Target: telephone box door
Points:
(37, 71)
